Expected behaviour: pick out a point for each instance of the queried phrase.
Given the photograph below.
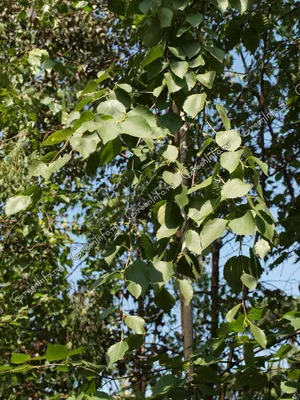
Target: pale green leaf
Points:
(223, 114)
(192, 241)
(84, 145)
(262, 248)
(114, 108)
(194, 104)
(244, 5)
(172, 178)
(216, 53)
(232, 313)
(230, 160)
(235, 188)
(263, 166)
(186, 288)
(204, 184)
(160, 272)
(171, 153)
(16, 204)
(136, 126)
(259, 336)
(180, 68)
(212, 231)
(244, 225)
(230, 139)
(116, 352)
(153, 54)
(249, 281)
(171, 83)
(222, 5)
(207, 79)
(109, 130)
(197, 62)
(135, 323)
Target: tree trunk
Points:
(186, 308)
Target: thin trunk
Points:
(215, 281)
(186, 308)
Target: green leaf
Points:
(37, 168)
(171, 153)
(135, 323)
(259, 335)
(109, 130)
(216, 53)
(212, 231)
(244, 225)
(199, 215)
(114, 108)
(191, 49)
(262, 248)
(56, 352)
(171, 82)
(230, 160)
(192, 241)
(194, 104)
(163, 299)
(134, 289)
(110, 150)
(91, 87)
(138, 272)
(249, 281)
(165, 16)
(197, 62)
(180, 68)
(232, 313)
(160, 272)
(230, 139)
(223, 114)
(171, 121)
(245, 5)
(186, 288)
(263, 166)
(294, 318)
(18, 358)
(204, 184)
(207, 79)
(116, 352)
(58, 137)
(222, 5)
(172, 178)
(16, 204)
(85, 145)
(56, 166)
(164, 385)
(147, 247)
(116, 6)
(195, 19)
(153, 54)
(136, 126)
(234, 269)
(235, 188)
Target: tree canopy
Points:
(148, 173)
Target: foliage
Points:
(115, 147)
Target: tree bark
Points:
(186, 308)
(215, 281)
